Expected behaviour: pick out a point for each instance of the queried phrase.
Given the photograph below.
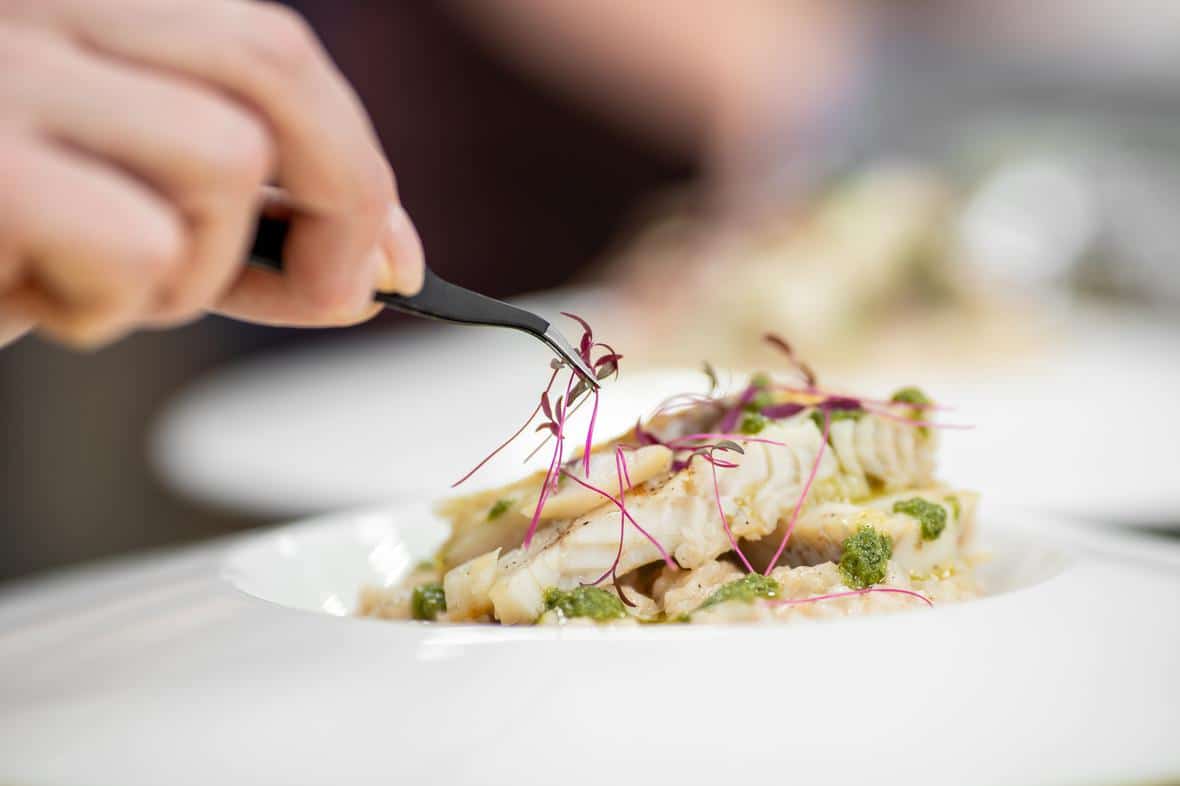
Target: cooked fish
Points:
(691, 512)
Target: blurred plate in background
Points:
(1090, 428)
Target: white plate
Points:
(166, 672)
(1091, 430)
(358, 421)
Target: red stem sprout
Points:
(819, 454)
(850, 593)
(608, 496)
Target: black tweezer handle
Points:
(438, 299)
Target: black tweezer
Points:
(438, 299)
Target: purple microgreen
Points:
(840, 403)
(586, 329)
(611, 498)
(550, 482)
(589, 437)
(850, 593)
(730, 420)
(819, 454)
(645, 437)
(711, 375)
(919, 423)
(517, 433)
(779, 411)
(781, 344)
(725, 520)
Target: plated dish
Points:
(876, 270)
(783, 501)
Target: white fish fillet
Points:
(679, 511)
(868, 463)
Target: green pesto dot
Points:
(760, 380)
(752, 423)
(593, 602)
(911, 395)
(428, 601)
(760, 401)
(745, 589)
(499, 509)
(931, 515)
(866, 557)
(835, 416)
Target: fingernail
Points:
(403, 260)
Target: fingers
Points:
(180, 109)
(92, 244)
(262, 296)
(207, 156)
(328, 157)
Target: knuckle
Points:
(159, 247)
(374, 193)
(283, 39)
(240, 149)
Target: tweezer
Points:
(438, 299)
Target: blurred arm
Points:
(705, 76)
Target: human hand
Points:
(135, 138)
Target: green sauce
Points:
(919, 400)
(499, 509)
(745, 589)
(835, 416)
(865, 558)
(752, 423)
(911, 395)
(760, 401)
(931, 515)
(760, 380)
(592, 602)
(763, 397)
(428, 601)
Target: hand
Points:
(135, 137)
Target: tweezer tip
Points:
(557, 342)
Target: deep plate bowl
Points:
(321, 565)
(173, 670)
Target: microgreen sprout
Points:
(799, 366)
(819, 454)
(851, 593)
(556, 413)
(708, 453)
(711, 374)
(624, 481)
(780, 411)
(623, 509)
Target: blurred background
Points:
(979, 196)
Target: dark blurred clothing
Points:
(512, 189)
